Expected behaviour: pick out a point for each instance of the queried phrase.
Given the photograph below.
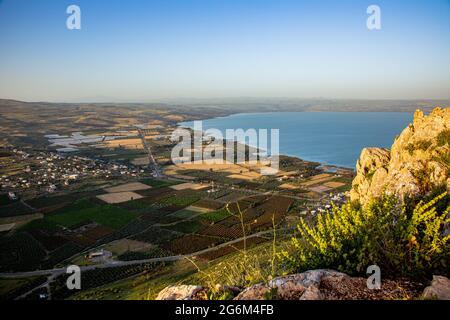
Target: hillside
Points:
(329, 259)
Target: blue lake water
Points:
(334, 138)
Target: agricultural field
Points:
(119, 197)
(216, 216)
(258, 214)
(24, 253)
(191, 243)
(17, 208)
(12, 288)
(208, 204)
(4, 200)
(232, 196)
(126, 245)
(189, 185)
(99, 277)
(85, 210)
(154, 183)
(190, 226)
(183, 214)
(182, 200)
(152, 252)
(236, 247)
(156, 235)
(132, 186)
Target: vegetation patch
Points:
(156, 235)
(84, 210)
(14, 209)
(216, 216)
(443, 138)
(419, 145)
(24, 253)
(233, 248)
(159, 183)
(208, 204)
(4, 200)
(190, 226)
(177, 200)
(191, 243)
(13, 288)
(399, 240)
(155, 252)
(183, 214)
(99, 277)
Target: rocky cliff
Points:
(417, 162)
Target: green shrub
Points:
(423, 144)
(443, 138)
(419, 145)
(385, 233)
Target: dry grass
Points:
(7, 227)
(289, 186)
(133, 186)
(125, 143)
(320, 189)
(141, 161)
(334, 184)
(189, 185)
(320, 176)
(198, 209)
(246, 176)
(121, 246)
(119, 197)
(317, 179)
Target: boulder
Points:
(321, 284)
(181, 292)
(326, 284)
(439, 289)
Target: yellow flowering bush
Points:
(386, 233)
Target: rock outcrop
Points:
(319, 284)
(418, 160)
(439, 289)
(181, 292)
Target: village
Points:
(31, 173)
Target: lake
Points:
(334, 138)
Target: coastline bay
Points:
(332, 138)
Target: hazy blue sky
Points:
(155, 49)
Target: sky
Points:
(164, 49)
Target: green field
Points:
(84, 210)
(159, 183)
(12, 288)
(183, 214)
(190, 226)
(216, 216)
(23, 253)
(41, 224)
(4, 200)
(182, 201)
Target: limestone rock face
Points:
(182, 292)
(439, 289)
(323, 284)
(417, 162)
(302, 286)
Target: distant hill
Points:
(238, 105)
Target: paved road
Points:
(111, 264)
(150, 154)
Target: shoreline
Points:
(320, 163)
